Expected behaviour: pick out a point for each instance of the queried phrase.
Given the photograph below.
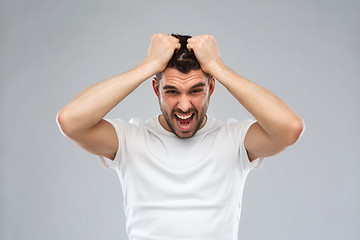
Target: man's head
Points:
(184, 92)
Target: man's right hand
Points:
(161, 50)
(82, 119)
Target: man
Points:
(183, 172)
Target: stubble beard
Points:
(196, 114)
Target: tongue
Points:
(184, 121)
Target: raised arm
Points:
(82, 119)
(277, 125)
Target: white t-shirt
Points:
(183, 189)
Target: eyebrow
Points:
(169, 87)
(198, 85)
(173, 87)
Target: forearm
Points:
(92, 104)
(274, 116)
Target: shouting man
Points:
(182, 172)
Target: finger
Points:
(189, 40)
(189, 46)
(174, 39)
(195, 38)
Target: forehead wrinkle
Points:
(177, 82)
(197, 85)
(185, 78)
(172, 72)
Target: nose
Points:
(184, 103)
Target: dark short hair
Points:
(182, 60)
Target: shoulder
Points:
(127, 127)
(232, 128)
(133, 122)
(236, 129)
(236, 126)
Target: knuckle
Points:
(158, 35)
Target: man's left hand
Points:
(206, 51)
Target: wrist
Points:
(154, 65)
(150, 66)
(215, 68)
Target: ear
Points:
(155, 86)
(212, 85)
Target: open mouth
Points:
(184, 121)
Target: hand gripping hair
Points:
(182, 60)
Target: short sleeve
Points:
(239, 130)
(120, 132)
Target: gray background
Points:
(306, 52)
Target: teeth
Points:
(184, 116)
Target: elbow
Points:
(294, 131)
(62, 122)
